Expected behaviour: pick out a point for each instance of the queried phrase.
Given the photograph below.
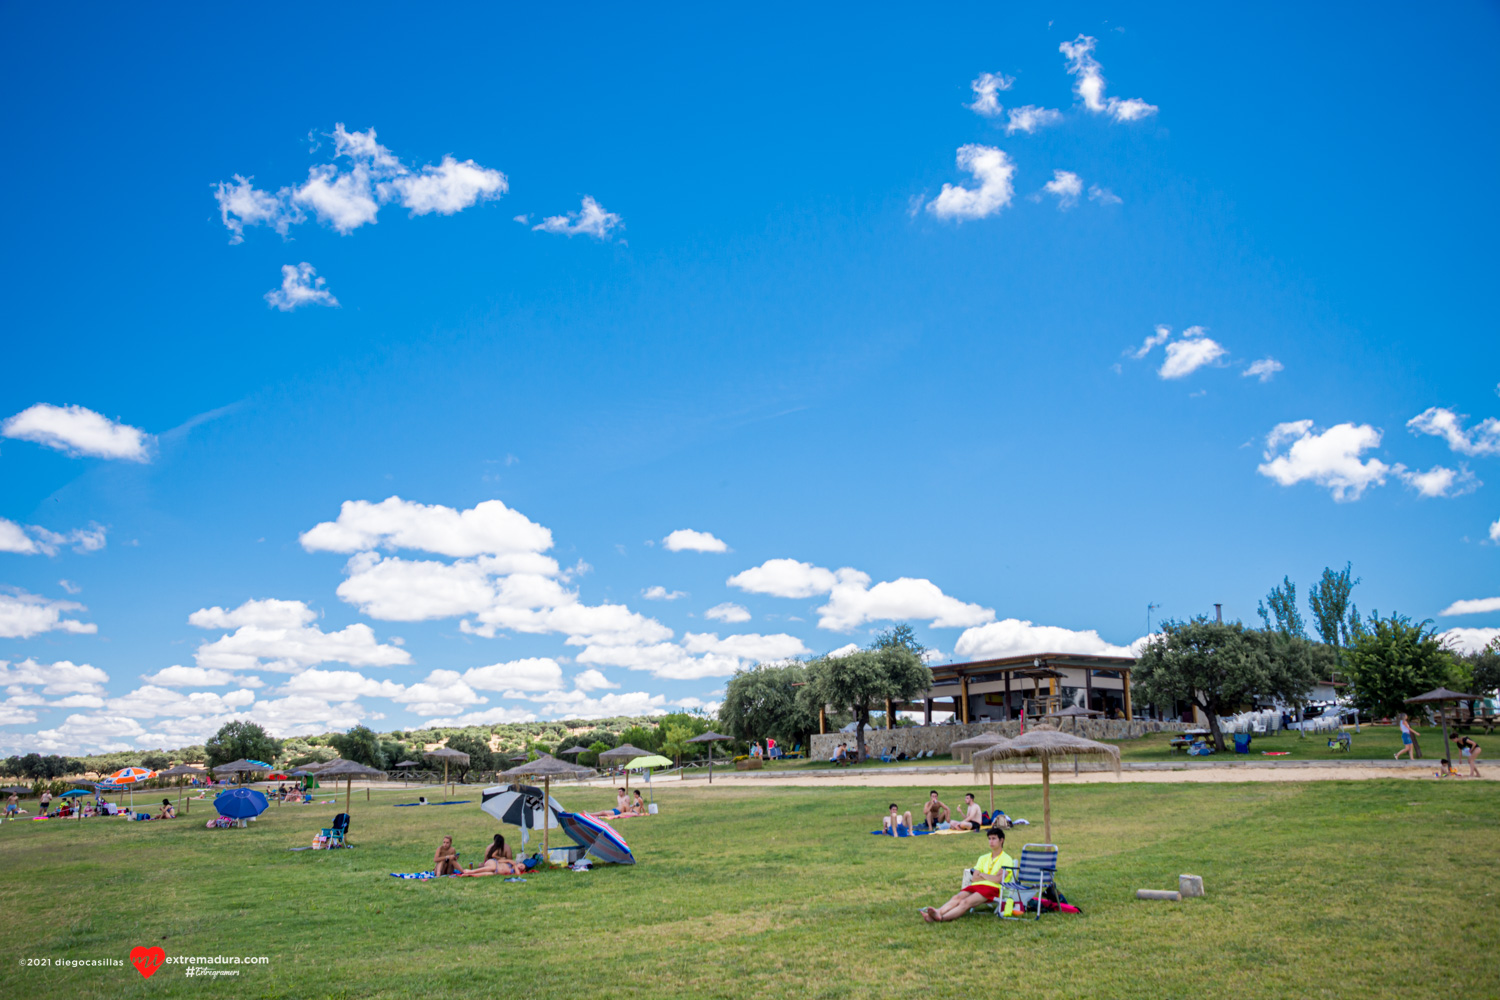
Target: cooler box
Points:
(564, 855)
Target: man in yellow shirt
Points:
(985, 886)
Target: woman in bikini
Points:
(497, 861)
(622, 805)
(445, 861)
(1470, 751)
(638, 808)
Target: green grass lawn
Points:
(1337, 889)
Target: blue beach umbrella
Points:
(596, 837)
(240, 803)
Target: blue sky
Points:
(805, 281)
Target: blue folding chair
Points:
(1033, 875)
(1241, 742)
(336, 834)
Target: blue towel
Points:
(454, 802)
(904, 833)
(422, 876)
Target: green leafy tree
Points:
(899, 637)
(859, 682)
(481, 758)
(674, 742)
(156, 761)
(360, 745)
(762, 701)
(639, 736)
(1283, 601)
(1220, 666)
(1484, 669)
(1334, 614)
(1393, 659)
(590, 757)
(240, 739)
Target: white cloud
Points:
(986, 88)
(1495, 532)
(1089, 83)
(180, 676)
(710, 708)
(78, 431)
(488, 528)
(1103, 195)
(1468, 640)
(269, 613)
(576, 705)
(1263, 369)
(148, 702)
(13, 538)
(853, 603)
(1066, 186)
(488, 717)
(785, 578)
(447, 188)
(1159, 337)
(442, 690)
(1483, 439)
(23, 615)
(1014, 637)
(60, 678)
(301, 713)
(728, 612)
(995, 173)
(660, 593)
(590, 220)
(1030, 118)
(750, 647)
(274, 635)
(688, 540)
(1439, 481)
(340, 685)
(1328, 458)
(1186, 356)
(345, 199)
(1476, 606)
(844, 650)
(591, 680)
(300, 287)
(533, 674)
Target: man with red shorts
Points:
(985, 887)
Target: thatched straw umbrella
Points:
(445, 755)
(975, 743)
(1044, 742)
(710, 738)
(1075, 713)
(180, 771)
(622, 754)
(545, 767)
(348, 770)
(240, 767)
(1437, 696)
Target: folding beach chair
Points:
(888, 756)
(1241, 742)
(1033, 875)
(335, 835)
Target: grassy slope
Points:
(1324, 889)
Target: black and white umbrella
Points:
(521, 805)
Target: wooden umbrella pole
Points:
(547, 814)
(348, 785)
(1046, 800)
(992, 787)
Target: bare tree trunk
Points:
(1213, 727)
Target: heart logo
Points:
(147, 960)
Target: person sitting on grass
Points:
(622, 805)
(895, 819)
(934, 812)
(638, 807)
(445, 861)
(973, 815)
(497, 861)
(167, 811)
(984, 888)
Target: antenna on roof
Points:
(1150, 608)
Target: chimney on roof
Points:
(1219, 613)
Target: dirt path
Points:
(1064, 775)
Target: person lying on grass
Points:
(973, 815)
(445, 861)
(497, 861)
(985, 888)
(934, 812)
(622, 805)
(895, 819)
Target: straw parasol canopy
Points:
(1045, 743)
(181, 771)
(976, 743)
(710, 738)
(240, 766)
(545, 767)
(447, 756)
(348, 770)
(574, 750)
(1438, 696)
(622, 754)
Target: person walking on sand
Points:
(1408, 739)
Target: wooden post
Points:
(1088, 688)
(1125, 674)
(1047, 801)
(963, 686)
(889, 722)
(822, 720)
(927, 712)
(1007, 710)
(547, 812)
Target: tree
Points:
(762, 701)
(1220, 666)
(240, 739)
(590, 757)
(639, 736)
(360, 745)
(1336, 617)
(1393, 659)
(1484, 669)
(899, 637)
(674, 741)
(1283, 601)
(860, 681)
(156, 761)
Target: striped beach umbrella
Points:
(596, 837)
(129, 777)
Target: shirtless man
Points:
(12, 804)
(973, 815)
(894, 820)
(622, 804)
(934, 812)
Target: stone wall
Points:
(919, 739)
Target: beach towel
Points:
(452, 802)
(904, 833)
(1274, 753)
(420, 876)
